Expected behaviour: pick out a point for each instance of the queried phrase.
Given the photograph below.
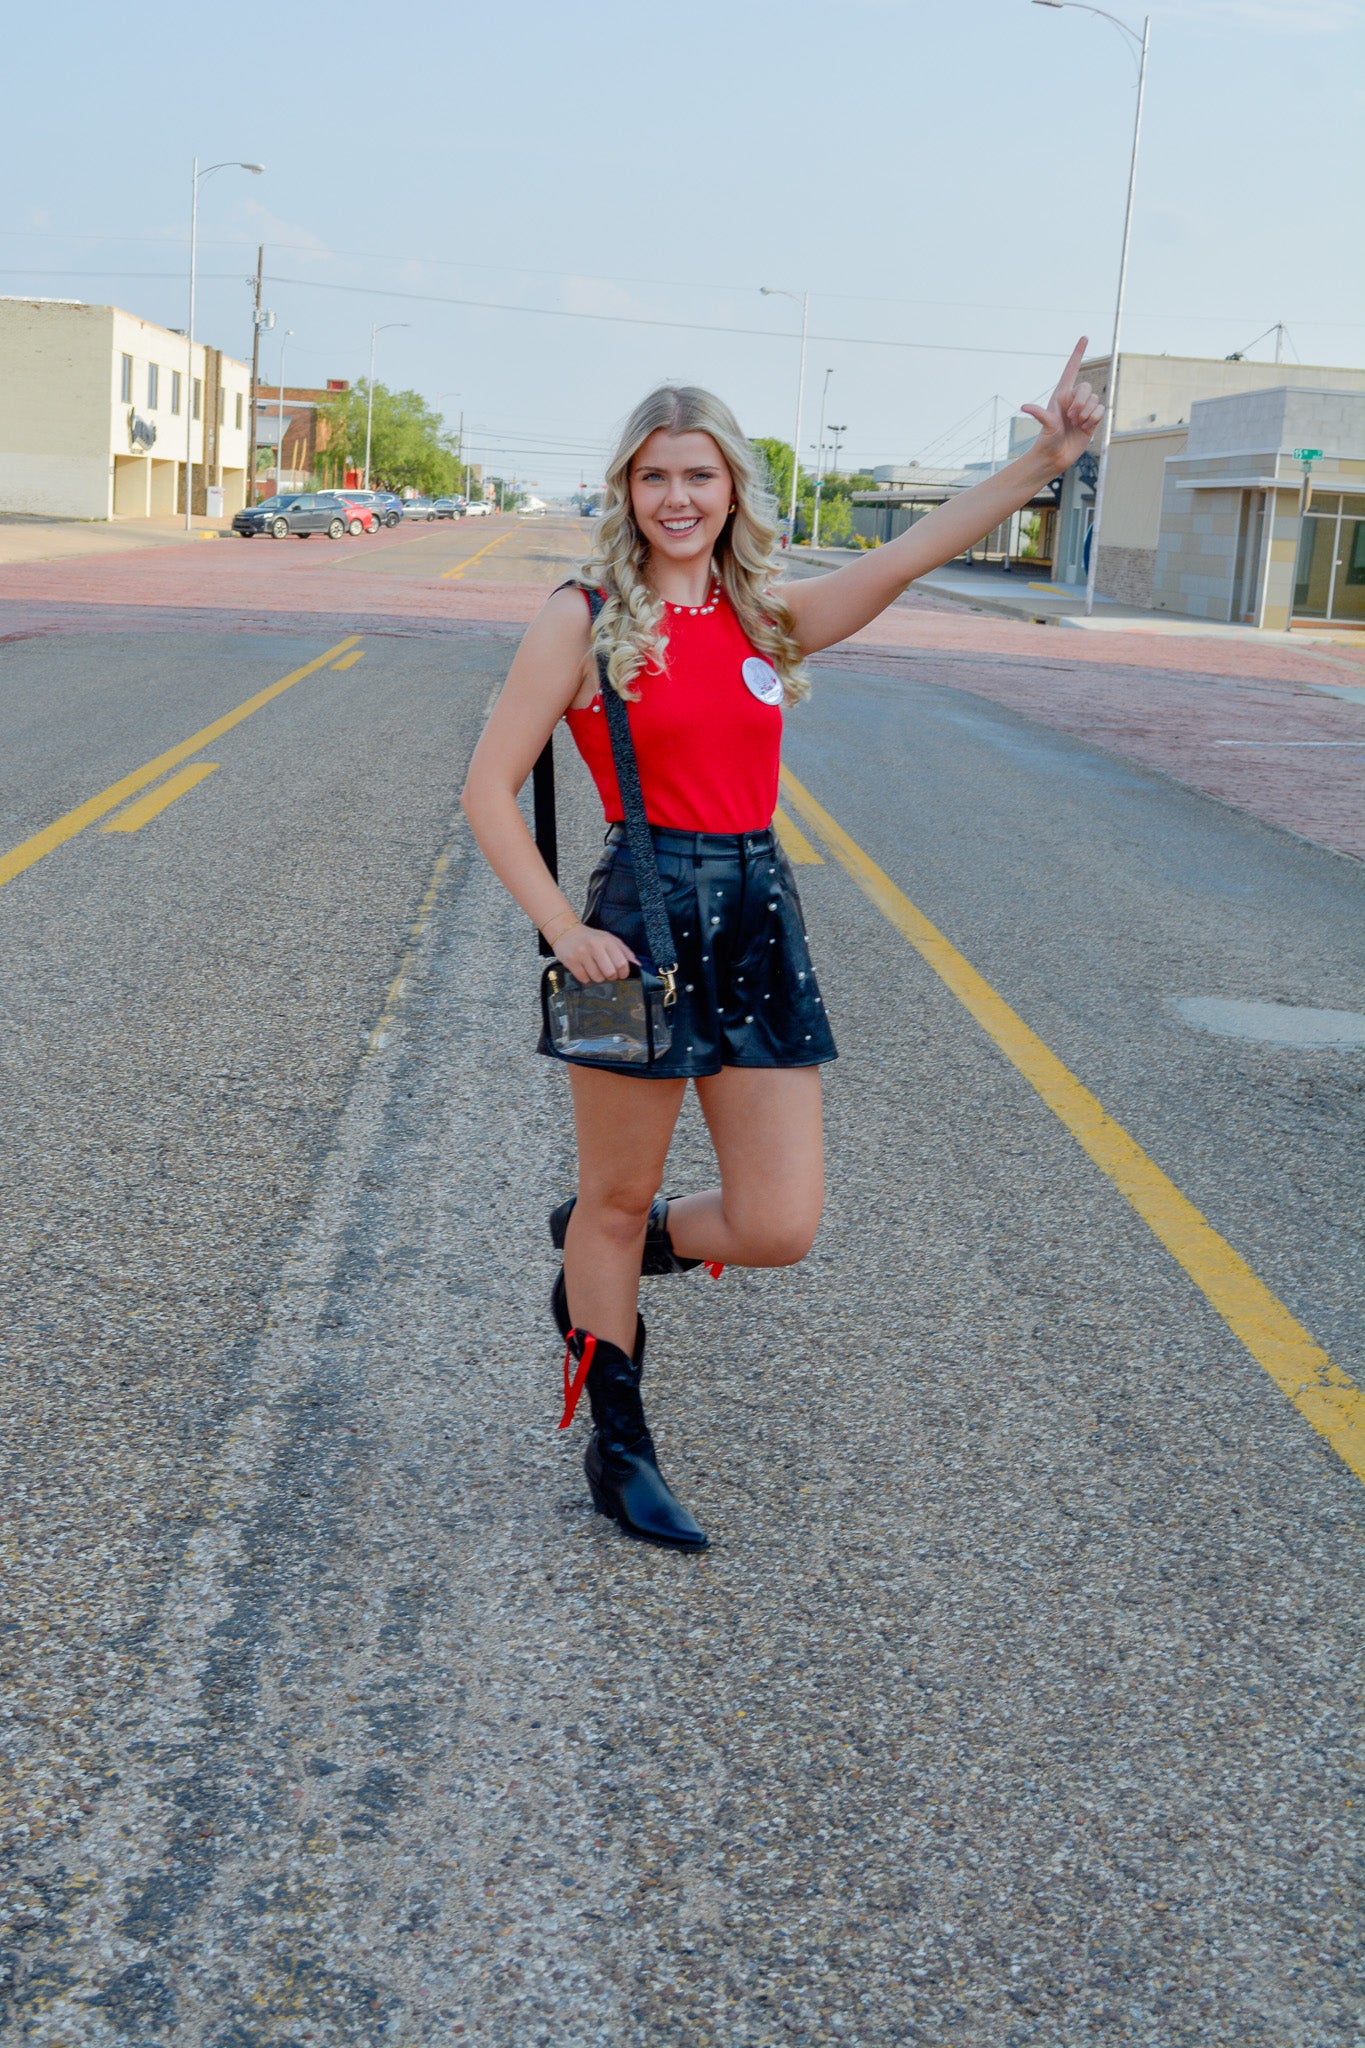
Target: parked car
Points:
(417, 508)
(251, 520)
(388, 506)
(363, 514)
(446, 508)
(477, 508)
(302, 513)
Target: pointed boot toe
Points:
(629, 1487)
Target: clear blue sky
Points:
(948, 173)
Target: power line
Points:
(599, 277)
(677, 326)
(562, 313)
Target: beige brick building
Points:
(1206, 511)
(95, 409)
(1254, 535)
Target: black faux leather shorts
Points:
(747, 993)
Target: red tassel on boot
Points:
(575, 1383)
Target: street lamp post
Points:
(369, 395)
(279, 451)
(228, 163)
(820, 462)
(836, 434)
(801, 299)
(1111, 395)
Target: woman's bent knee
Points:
(620, 1212)
(778, 1241)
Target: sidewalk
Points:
(27, 537)
(1013, 594)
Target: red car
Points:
(359, 517)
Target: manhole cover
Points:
(1274, 1023)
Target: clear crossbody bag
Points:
(612, 1023)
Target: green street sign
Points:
(1307, 454)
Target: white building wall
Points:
(54, 408)
(65, 445)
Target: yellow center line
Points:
(135, 816)
(349, 660)
(382, 1032)
(487, 549)
(1324, 1395)
(56, 834)
(794, 842)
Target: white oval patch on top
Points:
(762, 680)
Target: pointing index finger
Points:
(1066, 381)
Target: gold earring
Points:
(732, 505)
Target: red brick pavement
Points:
(1167, 702)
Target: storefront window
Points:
(1329, 575)
(1313, 571)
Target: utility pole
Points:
(820, 462)
(250, 495)
(995, 456)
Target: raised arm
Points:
(829, 608)
(545, 676)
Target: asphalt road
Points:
(1015, 1700)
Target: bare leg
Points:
(624, 1124)
(765, 1126)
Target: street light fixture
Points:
(1141, 42)
(228, 163)
(801, 299)
(369, 396)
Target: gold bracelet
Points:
(565, 920)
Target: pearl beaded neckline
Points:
(701, 611)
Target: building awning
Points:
(1238, 483)
(1335, 481)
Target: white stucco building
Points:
(95, 405)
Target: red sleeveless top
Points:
(707, 747)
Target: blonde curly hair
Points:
(629, 630)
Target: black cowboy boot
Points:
(658, 1256)
(622, 1470)
(559, 1309)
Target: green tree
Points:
(836, 518)
(409, 449)
(775, 463)
(836, 509)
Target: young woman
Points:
(706, 649)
